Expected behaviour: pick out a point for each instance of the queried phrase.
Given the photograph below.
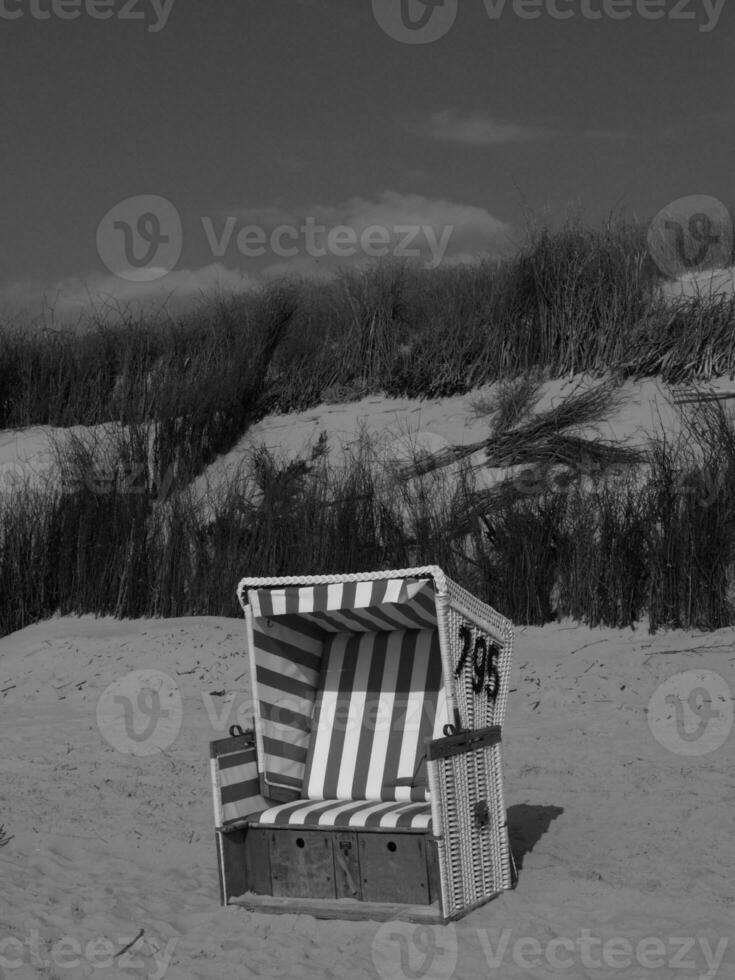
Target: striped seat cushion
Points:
(380, 698)
(343, 814)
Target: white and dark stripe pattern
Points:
(235, 781)
(290, 628)
(380, 699)
(384, 604)
(344, 813)
(287, 669)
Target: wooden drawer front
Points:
(302, 863)
(393, 868)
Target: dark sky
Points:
(271, 113)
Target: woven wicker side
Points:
(470, 820)
(480, 648)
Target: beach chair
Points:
(370, 785)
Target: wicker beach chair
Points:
(371, 783)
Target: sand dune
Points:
(396, 425)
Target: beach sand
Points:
(621, 836)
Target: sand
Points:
(621, 821)
(621, 837)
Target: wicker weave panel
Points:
(475, 861)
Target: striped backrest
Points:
(291, 628)
(380, 697)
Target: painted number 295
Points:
(482, 657)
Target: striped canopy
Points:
(385, 604)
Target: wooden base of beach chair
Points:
(368, 867)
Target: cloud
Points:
(392, 208)
(106, 297)
(315, 240)
(449, 126)
(470, 228)
(390, 225)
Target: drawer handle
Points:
(343, 864)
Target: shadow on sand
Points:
(526, 826)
